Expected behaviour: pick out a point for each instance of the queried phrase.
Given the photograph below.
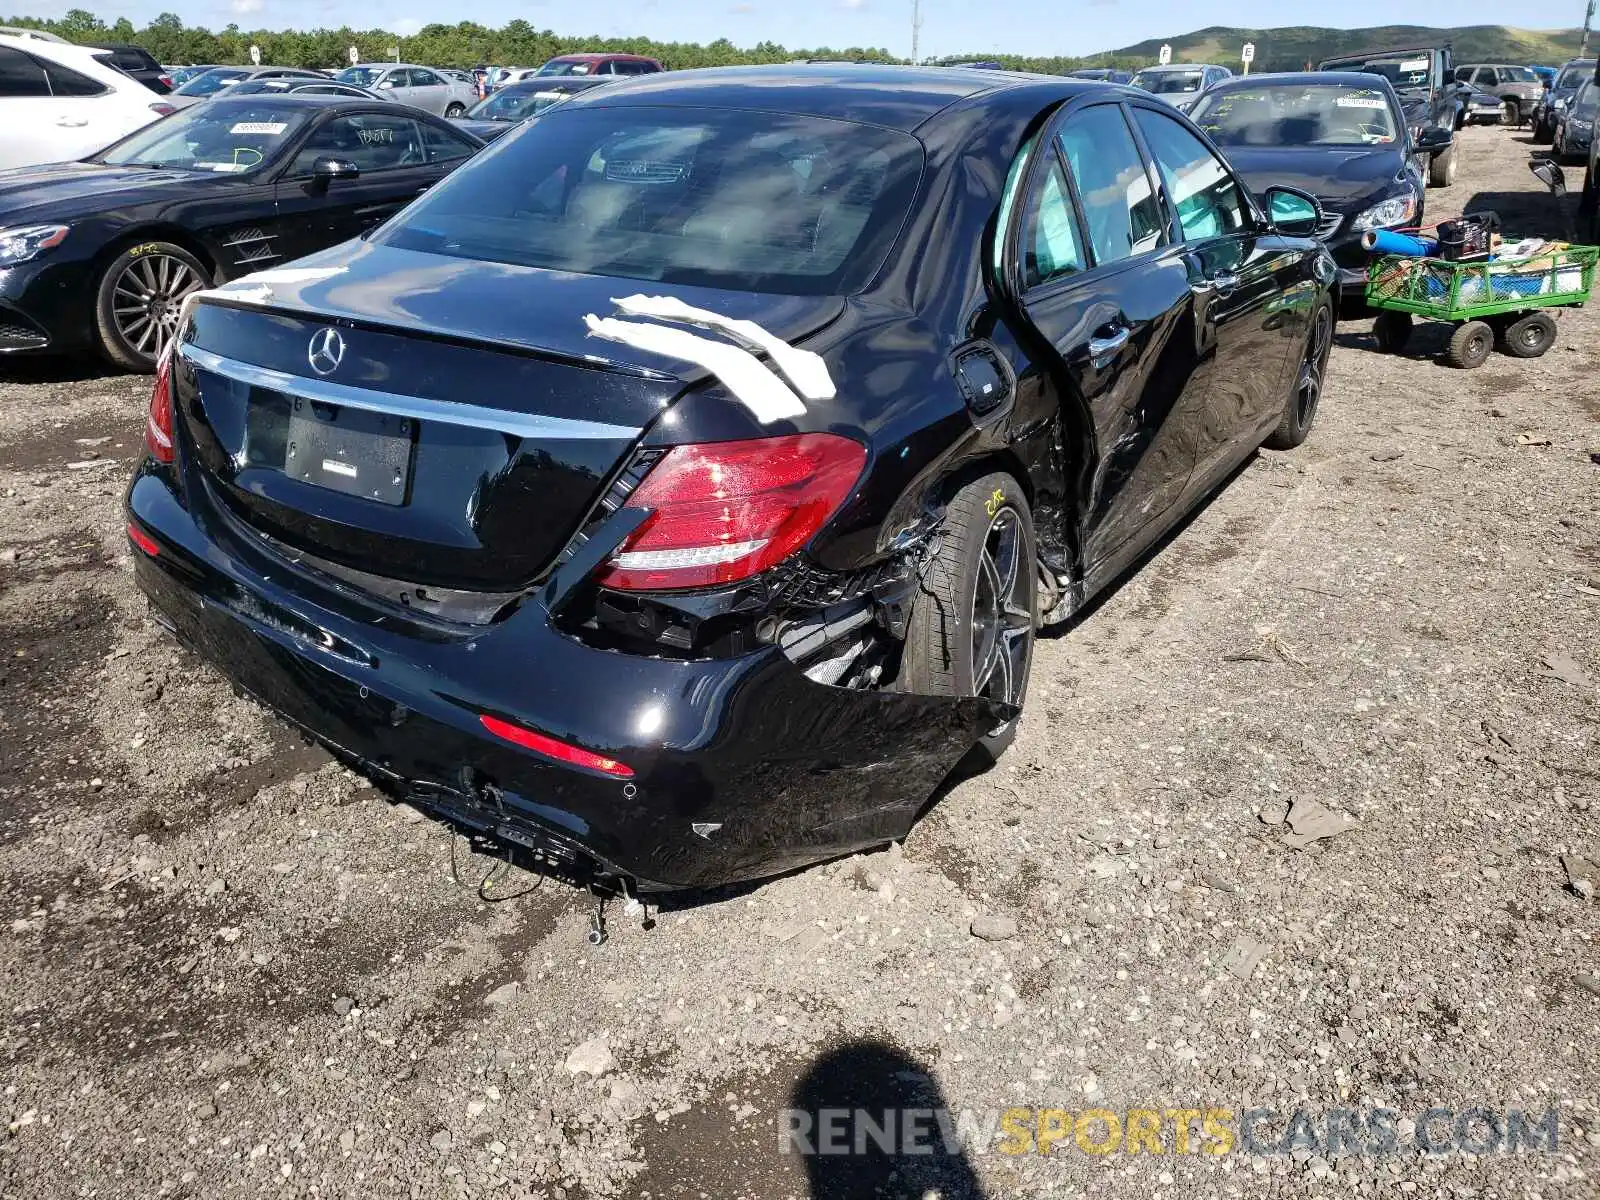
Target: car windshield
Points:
(567, 66)
(516, 105)
(1517, 75)
(1296, 115)
(764, 202)
(1164, 83)
(212, 82)
(361, 76)
(225, 136)
(1575, 75)
(1403, 70)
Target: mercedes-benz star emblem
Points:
(327, 351)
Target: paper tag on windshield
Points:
(271, 128)
(1359, 102)
(1414, 64)
(223, 168)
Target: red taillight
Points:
(725, 511)
(550, 747)
(166, 110)
(143, 540)
(158, 426)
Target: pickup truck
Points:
(1424, 79)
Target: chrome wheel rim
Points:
(148, 300)
(1308, 389)
(1002, 613)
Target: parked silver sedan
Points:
(423, 87)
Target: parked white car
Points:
(422, 87)
(60, 102)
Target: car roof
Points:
(1171, 67)
(301, 100)
(893, 96)
(556, 83)
(598, 56)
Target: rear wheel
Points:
(1511, 113)
(1442, 168)
(1530, 336)
(1301, 407)
(1393, 331)
(971, 628)
(140, 299)
(455, 110)
(1470, 345)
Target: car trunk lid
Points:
(452, 427)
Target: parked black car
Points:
(1558, 97)
(1424, 79)
(101, 253)
(139, 63)
(1340, 136)
(675, 490)
(516, 102)
(1103, 74)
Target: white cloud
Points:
(408, 26)
(246, 6)
(853, 4)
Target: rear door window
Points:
(64, 81)
(20, 75)
(1119, 203)
(1051, 247)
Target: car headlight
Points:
(1560, 104)
(1396, 210)
(22, 243)
(1580, 124)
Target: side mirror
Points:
(325, 170)
(386, 83)
(1293, 212)
(1551, 175)
(1432, 138)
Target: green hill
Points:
(1293, 46)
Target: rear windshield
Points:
(1517, 75)
(1166, 83)
(222, 137)
(765, 202)
(361, 76)
(1403, 71)
(568, 66)
(1296, 115)
(515, 105)
(211, 82)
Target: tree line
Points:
(465, 44)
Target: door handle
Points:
(1222, 283)
(73, 122)
(1102, 348)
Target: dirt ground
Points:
(231, 969)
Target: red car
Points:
(601, 64)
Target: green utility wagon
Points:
(1490, 303)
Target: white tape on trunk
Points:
(806, 371)
(750, 380)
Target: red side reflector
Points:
(143, 540)
(550, 747)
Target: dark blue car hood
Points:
(1335, 175)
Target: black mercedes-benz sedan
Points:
(100, 254)
(1340, 136)
(675, 490)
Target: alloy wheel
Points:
(148, 300)
(1002, 612)
(1308, 388)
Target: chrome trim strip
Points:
(526, 425)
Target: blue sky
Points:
(948, 26)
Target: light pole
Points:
(1588, 18)
(916, 28)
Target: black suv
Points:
(138, 63)
(1424, 79)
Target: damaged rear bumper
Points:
(741, 767)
